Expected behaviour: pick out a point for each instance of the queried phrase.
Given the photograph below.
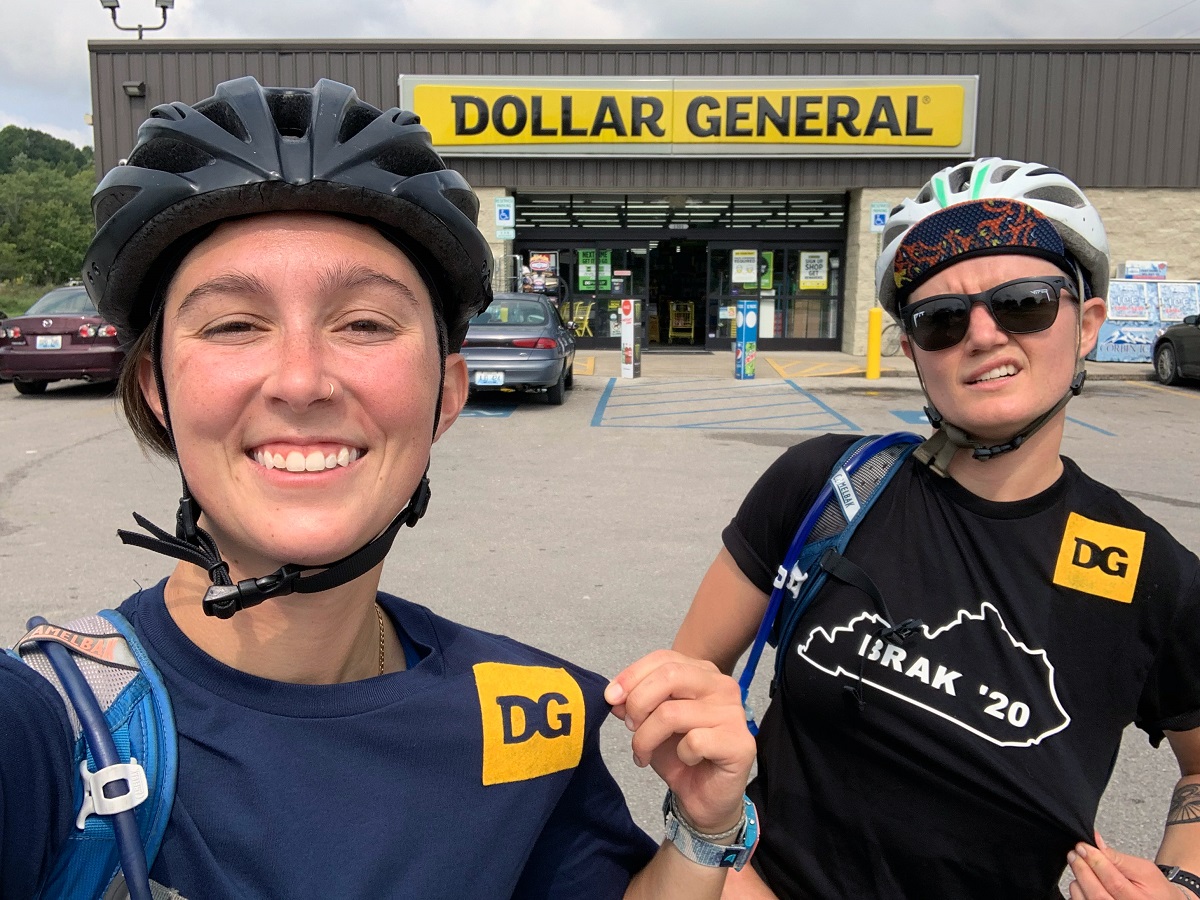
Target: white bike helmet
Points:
(1046, 190)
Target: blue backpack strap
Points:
(856, 479)
(125, 752)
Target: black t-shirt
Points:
(987, 738)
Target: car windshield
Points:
(68, 301)
(509, 311)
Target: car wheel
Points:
(1166, 366)
(557, 391)
(30, 387)
(570, 382)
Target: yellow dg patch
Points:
(1100, 559)
(533, 721)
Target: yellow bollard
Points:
(874, 336)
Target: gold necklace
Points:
(379, 616)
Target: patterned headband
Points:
(975, 228)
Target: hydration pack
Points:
(856, 480)
(124, 757)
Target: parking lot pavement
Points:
(565, 526)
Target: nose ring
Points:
(330, 397)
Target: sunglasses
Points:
(1023, 306)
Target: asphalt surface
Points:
(583, 529)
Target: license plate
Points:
(490, 379)
(49, 341)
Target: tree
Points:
(21, 146)
(45, 222)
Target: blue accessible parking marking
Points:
(911, 416)
(496, 405)
(470, 412)
(918, 417)
(706, 403)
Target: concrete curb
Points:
(798, 366)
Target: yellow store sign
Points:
(874, 116)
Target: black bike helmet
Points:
(248, 150)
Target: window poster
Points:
(744, 266)
(814, 271)
(594, 270)
(545, 262)
(766, 270)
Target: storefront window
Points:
(811, 307)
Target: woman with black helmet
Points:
(292, 273)
(949, 707)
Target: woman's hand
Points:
(1102, 873)
(688, 724)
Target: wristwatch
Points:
(730, 849)
(1176, 875)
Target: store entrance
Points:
(677, 290)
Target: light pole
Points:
(164, 5)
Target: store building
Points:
(689, 175)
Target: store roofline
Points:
(690, 44)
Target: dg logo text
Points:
(532, 718)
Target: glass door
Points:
(592, 278)
(798, 290)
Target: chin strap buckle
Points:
(419, 502)
(223, 600)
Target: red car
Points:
(60, 336)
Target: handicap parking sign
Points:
(506, 211)
(879, 216)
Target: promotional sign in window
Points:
(544, 262)
(914, 115)
(814, 271)
(594, 270)
(744, 266)
(766, 270)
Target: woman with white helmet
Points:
(963, 751)
(292, 272)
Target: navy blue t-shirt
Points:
(476, 773)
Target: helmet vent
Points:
(222, 114)
(107, 205)
(926, 194)
(291, 110)
(356, 119)
(959, 178)
(1057, 194)
(407, 160)
(1003, 173)
(1044, 170)
(170, 155)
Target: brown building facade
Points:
(689, 175)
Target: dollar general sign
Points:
(874, 116)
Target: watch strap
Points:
(1179, 876)
(705, 849)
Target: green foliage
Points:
(17, 297)
(45, 207)
(20, 147)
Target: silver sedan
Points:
(520, 343)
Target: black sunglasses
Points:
(1023, 306)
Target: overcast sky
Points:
(44, 62)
